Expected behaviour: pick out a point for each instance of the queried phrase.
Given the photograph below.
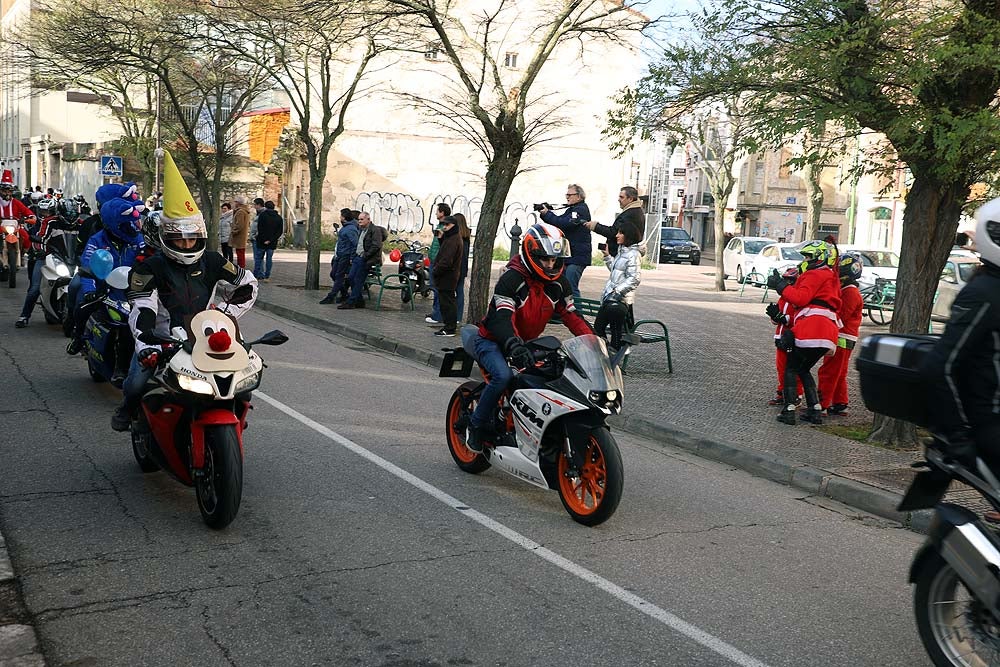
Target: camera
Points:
(542, 206)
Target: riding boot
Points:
(814, 412)
(787, 414)
(121, 420)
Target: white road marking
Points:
(388, 377)
(675, 623)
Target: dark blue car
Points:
(677, 246)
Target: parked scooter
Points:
(57, 272)
(107, 340)
(551, 421)
(10, 258)
(413, 265)
(956, 573)
(195, 411)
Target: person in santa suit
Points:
(10, 208)
(781, 315)
(832, 375)
(816, 295)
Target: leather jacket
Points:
(626, 271)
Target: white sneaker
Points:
(431, 320)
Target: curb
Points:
(815, 481)
(18, 643)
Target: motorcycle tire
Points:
(944, 624)
(466, 459)
(220, 489)
(593, 497)
(405, 295)
(12, 264)
(140, 449)
(60, 312)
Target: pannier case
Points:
(891, 385)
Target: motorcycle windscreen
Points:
(589, 368)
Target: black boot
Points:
(121, 420)
(787, 415)
(813, 415)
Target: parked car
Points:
(778, 256)
(676, 245)
(956, 273)
(875, 263)
(740, 255)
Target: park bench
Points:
(589, 308)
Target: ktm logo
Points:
(527, 411)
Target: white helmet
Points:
(988, 232)
(192, 227)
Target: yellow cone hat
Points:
(179, 208)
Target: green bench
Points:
(589, 308)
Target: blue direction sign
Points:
(111, 166)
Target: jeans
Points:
(460, 294)
(135, 383)
(359, 271)
(34, 289)
(436, 309)
(490, 357)
(573, 274)
(263, 261)
(341, 267)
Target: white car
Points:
(740, 255)
(956, 273)
(875, 263)
(776, 256)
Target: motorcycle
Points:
(107, 340)
(551, 421)
(194, 411)
(956, 573)
(10, 259)
(57, 272)
(413, 265)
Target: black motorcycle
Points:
(956, 573)
(413, 265)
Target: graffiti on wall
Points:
(402, 213)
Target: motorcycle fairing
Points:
(534, 410)
(163, 418)
(211, 417)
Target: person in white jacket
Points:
(619, 292)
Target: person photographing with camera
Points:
(572, 222)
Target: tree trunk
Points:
(720, 243)
(929, 225)
(500, 174)
(314, 226)
(814, 200)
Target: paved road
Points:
(338, 557)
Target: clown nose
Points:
(220, 341)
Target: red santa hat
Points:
(7, 178)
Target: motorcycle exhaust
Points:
(970, 549)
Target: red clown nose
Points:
(220, 341)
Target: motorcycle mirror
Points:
(118, 278)
(270, 338)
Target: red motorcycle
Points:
(192, 421)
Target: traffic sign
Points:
(111, 166)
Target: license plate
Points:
(683, 254)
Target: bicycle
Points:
(879, 300)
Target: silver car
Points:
(956, 273)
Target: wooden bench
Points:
(589, 308)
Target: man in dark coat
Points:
(572, 222)
(447, 269)
(631, 214)
(367, 255)
(270, 227)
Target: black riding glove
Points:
(776, 282)
(776, 315)
(520, 356)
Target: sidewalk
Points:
(715, 402)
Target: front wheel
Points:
(12, 263)
(957, 629)
(695, 261)
(456, 424)
(140, 449)
(59, 310)
(219, 485)
(593, 496)
(739, 274)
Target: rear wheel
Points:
(955, 628)
(593, 496)
(456, 424)
(739, 274)
(219, 485)
(12, 263)
(405, 294)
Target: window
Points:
(432, 51)
(754, 247)
(707, 199)
(510, 60)
(948, 274)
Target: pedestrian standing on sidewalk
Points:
(447, 269)
(619, 291)
(434, 317)
(340, 264)
(258, 254)
(631, 215)
(832, 375)
(572, 222)
(816, 293)
(466, 234)
(270, 227)
(226, 231)
(241, 231)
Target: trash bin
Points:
(299, 234)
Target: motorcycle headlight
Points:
(194, 385)
(62, 270)
(248, 383)
(9, 229)
(605, 399)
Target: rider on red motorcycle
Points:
(530, 291)
(175, 283)
(10, 208)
